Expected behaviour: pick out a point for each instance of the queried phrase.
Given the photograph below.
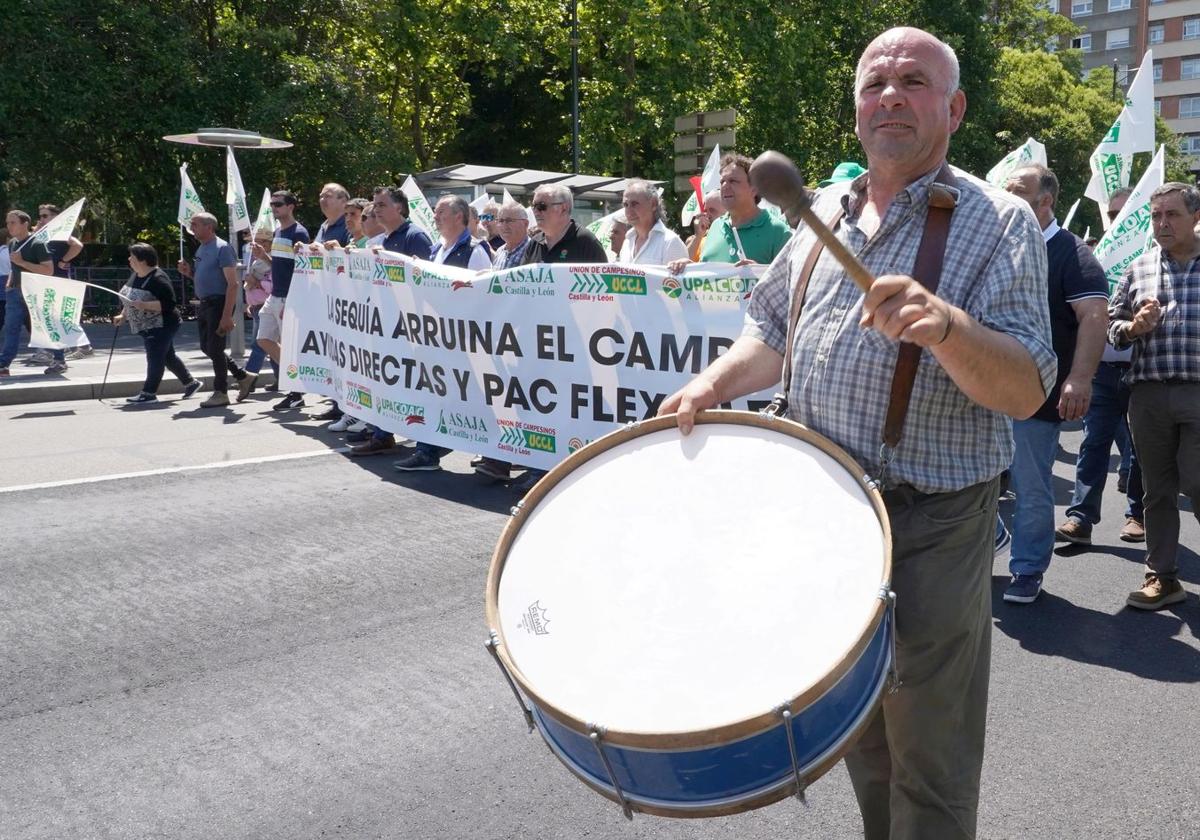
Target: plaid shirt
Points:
(510, 259)
(994, 269)
(1172, 349)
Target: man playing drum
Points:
(987, 357)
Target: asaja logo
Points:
(293, 371)
(358, 395)
(531, 281)
(456, 424)
(672, 288)
(523, 438)
(533, 621)
(608, 283)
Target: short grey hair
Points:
(947, 51)
(641, 186)
(515, 208)
(1190, 195)
(458, 205)
(1047, 180)
(559, 193)
(206, 218)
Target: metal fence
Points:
(101, 306)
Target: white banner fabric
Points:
(1129, 234)
(1031, 151)
(55, 305)
(525, 365)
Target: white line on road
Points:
(266, 459)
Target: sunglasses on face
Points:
(511, 221)
(543, 206)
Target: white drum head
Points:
(673, 585)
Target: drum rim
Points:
(733, 730)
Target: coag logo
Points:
(407, 413)
(708, 288)
(461, 284)
(293, 371)
(672, 288)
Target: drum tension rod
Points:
(596, 733)
(491, 644)
(786, 714)
(889, 597)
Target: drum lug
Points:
(786, 714)
(515, 510)
(870, 482)
(889, 597)
(596, 733)
(492, 643)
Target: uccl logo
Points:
(536, 438)
(608, 283)
(386, 273)
(293, 371)
(358, 395)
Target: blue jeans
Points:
(160, 356)
(1104, 422)
(1032, 476)
(257, 354)
(10, 340)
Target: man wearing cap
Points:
(847, 170)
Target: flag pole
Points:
(237, 338)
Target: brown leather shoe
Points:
(1133, 531)
(1075, 531)
(1156, 593)
(374, 446)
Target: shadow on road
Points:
(1136, 642)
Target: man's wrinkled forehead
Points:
(904, 56)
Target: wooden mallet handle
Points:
(777, 179)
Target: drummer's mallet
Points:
(777, 179)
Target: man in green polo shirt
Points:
(746, 233)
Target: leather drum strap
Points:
(927, 270)
(780, 403)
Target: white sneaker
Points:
(341, 424)
(356, 425)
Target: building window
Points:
(1190, 144)
(1083, 42)
(1156, 33)
(1189, 68)
(1081, 8)
(1157, 72)
(1157, 107)
(1189, 107)
(1117, 38)
(1191, 29)
(1118, 5)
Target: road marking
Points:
(266, 459)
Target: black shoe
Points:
(291, 401)
(191, 388)
(333, 413)
(141, 398)
(359, 437)
(1122, 482)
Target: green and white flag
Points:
(60, 228)
(1132, 132)
(1130, 234)
(1071, 214)
(602, 229)
(55, 304)
(265, 220)
(710, 179)
(419, 210)
(235, 193)
(189, 200)
(1031, 151)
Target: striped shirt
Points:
(994, 269)
(1172, 349)
(505, 258)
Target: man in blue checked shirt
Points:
(1156, 310)
(987, 358)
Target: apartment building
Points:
(1122, 31)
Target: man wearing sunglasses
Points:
(288, 235)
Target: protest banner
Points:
(55, 306)
(58, 229)
(235, 193)
(1133, 131)
(1129, 234)
(525, 365)
(1031, 151)
(189, 201)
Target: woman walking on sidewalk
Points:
(151, 312)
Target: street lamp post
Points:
(237, 139)
(575, 86)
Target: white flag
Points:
(419, 210)
(480, 203)
(265, 220)
(1031, 151)
(710, 179)
(55, 304)
(602, 229)
(189, 200)
(235, 193)
(1129, 234)
(1071, 214)
(58, 229)
(1132, 132)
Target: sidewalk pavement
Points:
(85, 378)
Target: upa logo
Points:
(713, 289)
(525, 438)
(293, 371)
(359, 395)
(605, 282)
(431, 279)
(463, 426)
(410, 414)
(529, 281)
(310, 373)
(575, 444)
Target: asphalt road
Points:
(292, 648)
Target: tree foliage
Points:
(368, 91)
